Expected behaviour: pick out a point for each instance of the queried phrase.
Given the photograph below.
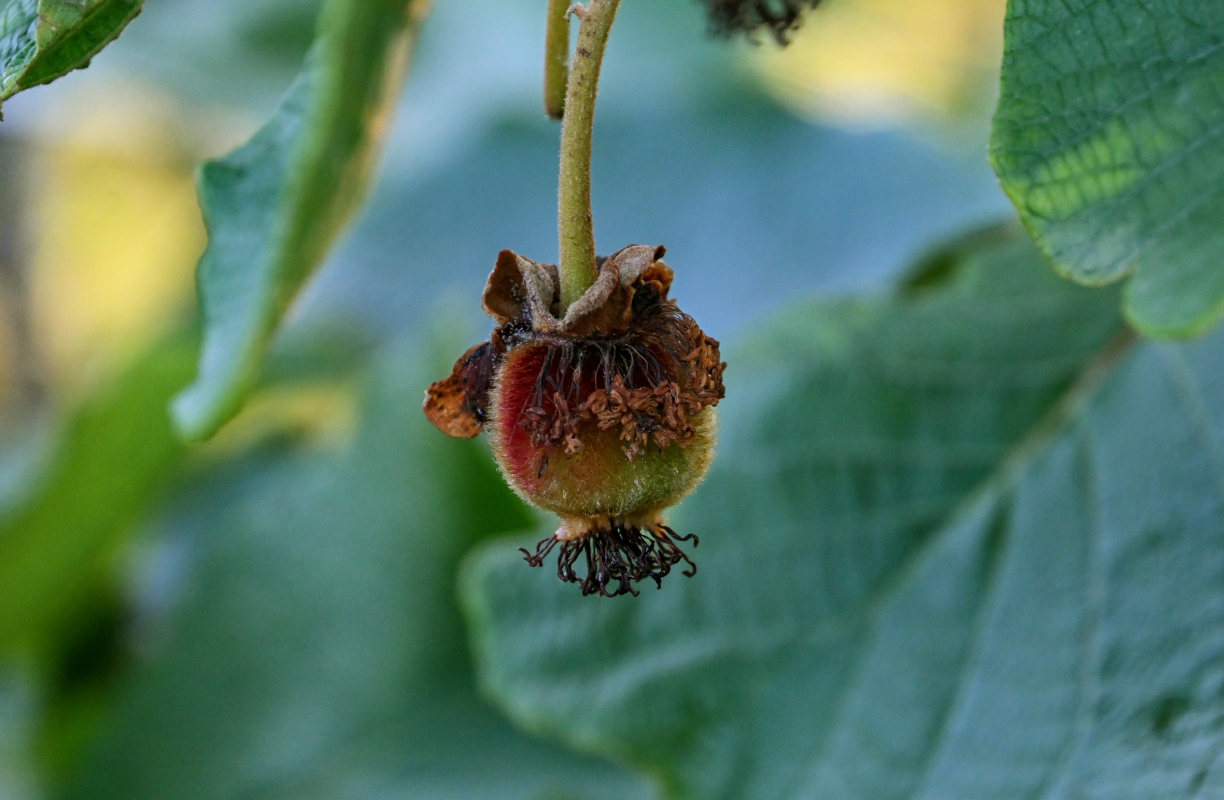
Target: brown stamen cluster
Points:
(601, 412)
(616, 554)
(627, 384)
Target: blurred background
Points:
(272, 614)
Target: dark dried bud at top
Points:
(780, 17)
(603, 414)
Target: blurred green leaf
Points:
(274, 206)
(963, 543)
(17, 778)
(1108, 139)
(40, 40)
(316, 649)
(112, 458)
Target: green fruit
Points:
(604, 415)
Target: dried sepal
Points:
(521, 288)
(457, 405)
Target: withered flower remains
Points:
(602, 413)
(780, 17)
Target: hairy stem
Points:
(577, 237)
(556, 57)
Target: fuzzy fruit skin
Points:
(598, 480)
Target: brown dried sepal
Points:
(521, 288)
(457, 405)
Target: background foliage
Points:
(963, 538)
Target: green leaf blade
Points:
(274, 206)
(41, 40)
(1109, 138)
(939, 560)
(114, 456)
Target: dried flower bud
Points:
(603, 414)
(781, 17)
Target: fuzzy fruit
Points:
(603, 414)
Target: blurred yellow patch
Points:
(883, 62)
(115, 231)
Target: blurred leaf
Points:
(17, 778)
(316, 649)
(1108, 139)
(40, 40)
(964, 543)
(274, 206)
(114, 455)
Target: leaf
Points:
(274, 206)
(314, 648)
(1108, 139)
(966, 542)
(17, 780)
(40, 40)
(114, 456)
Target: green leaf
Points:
(274, 206)
(315, 648)
(963, 543)
(112, 458)
(40, 40)
(1108, 139)
(17, 779)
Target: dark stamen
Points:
(616, 556)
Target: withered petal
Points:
(503, 294)
(520, 287)
(607, 307)
(636, 259)
(456, 405)
(661, 276)
(543, 285)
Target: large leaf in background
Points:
(40, 40)
(317, 650)
(964, 543)
(17, 779)
(1109, 137)
(113, 456)
(274, 206)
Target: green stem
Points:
(556, 56)
(577, 237)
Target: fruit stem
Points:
(556, 57)
(574, 227)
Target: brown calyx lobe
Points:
(623, 357)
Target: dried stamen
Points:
(616, 556)
(648, 383)
(781, 17)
